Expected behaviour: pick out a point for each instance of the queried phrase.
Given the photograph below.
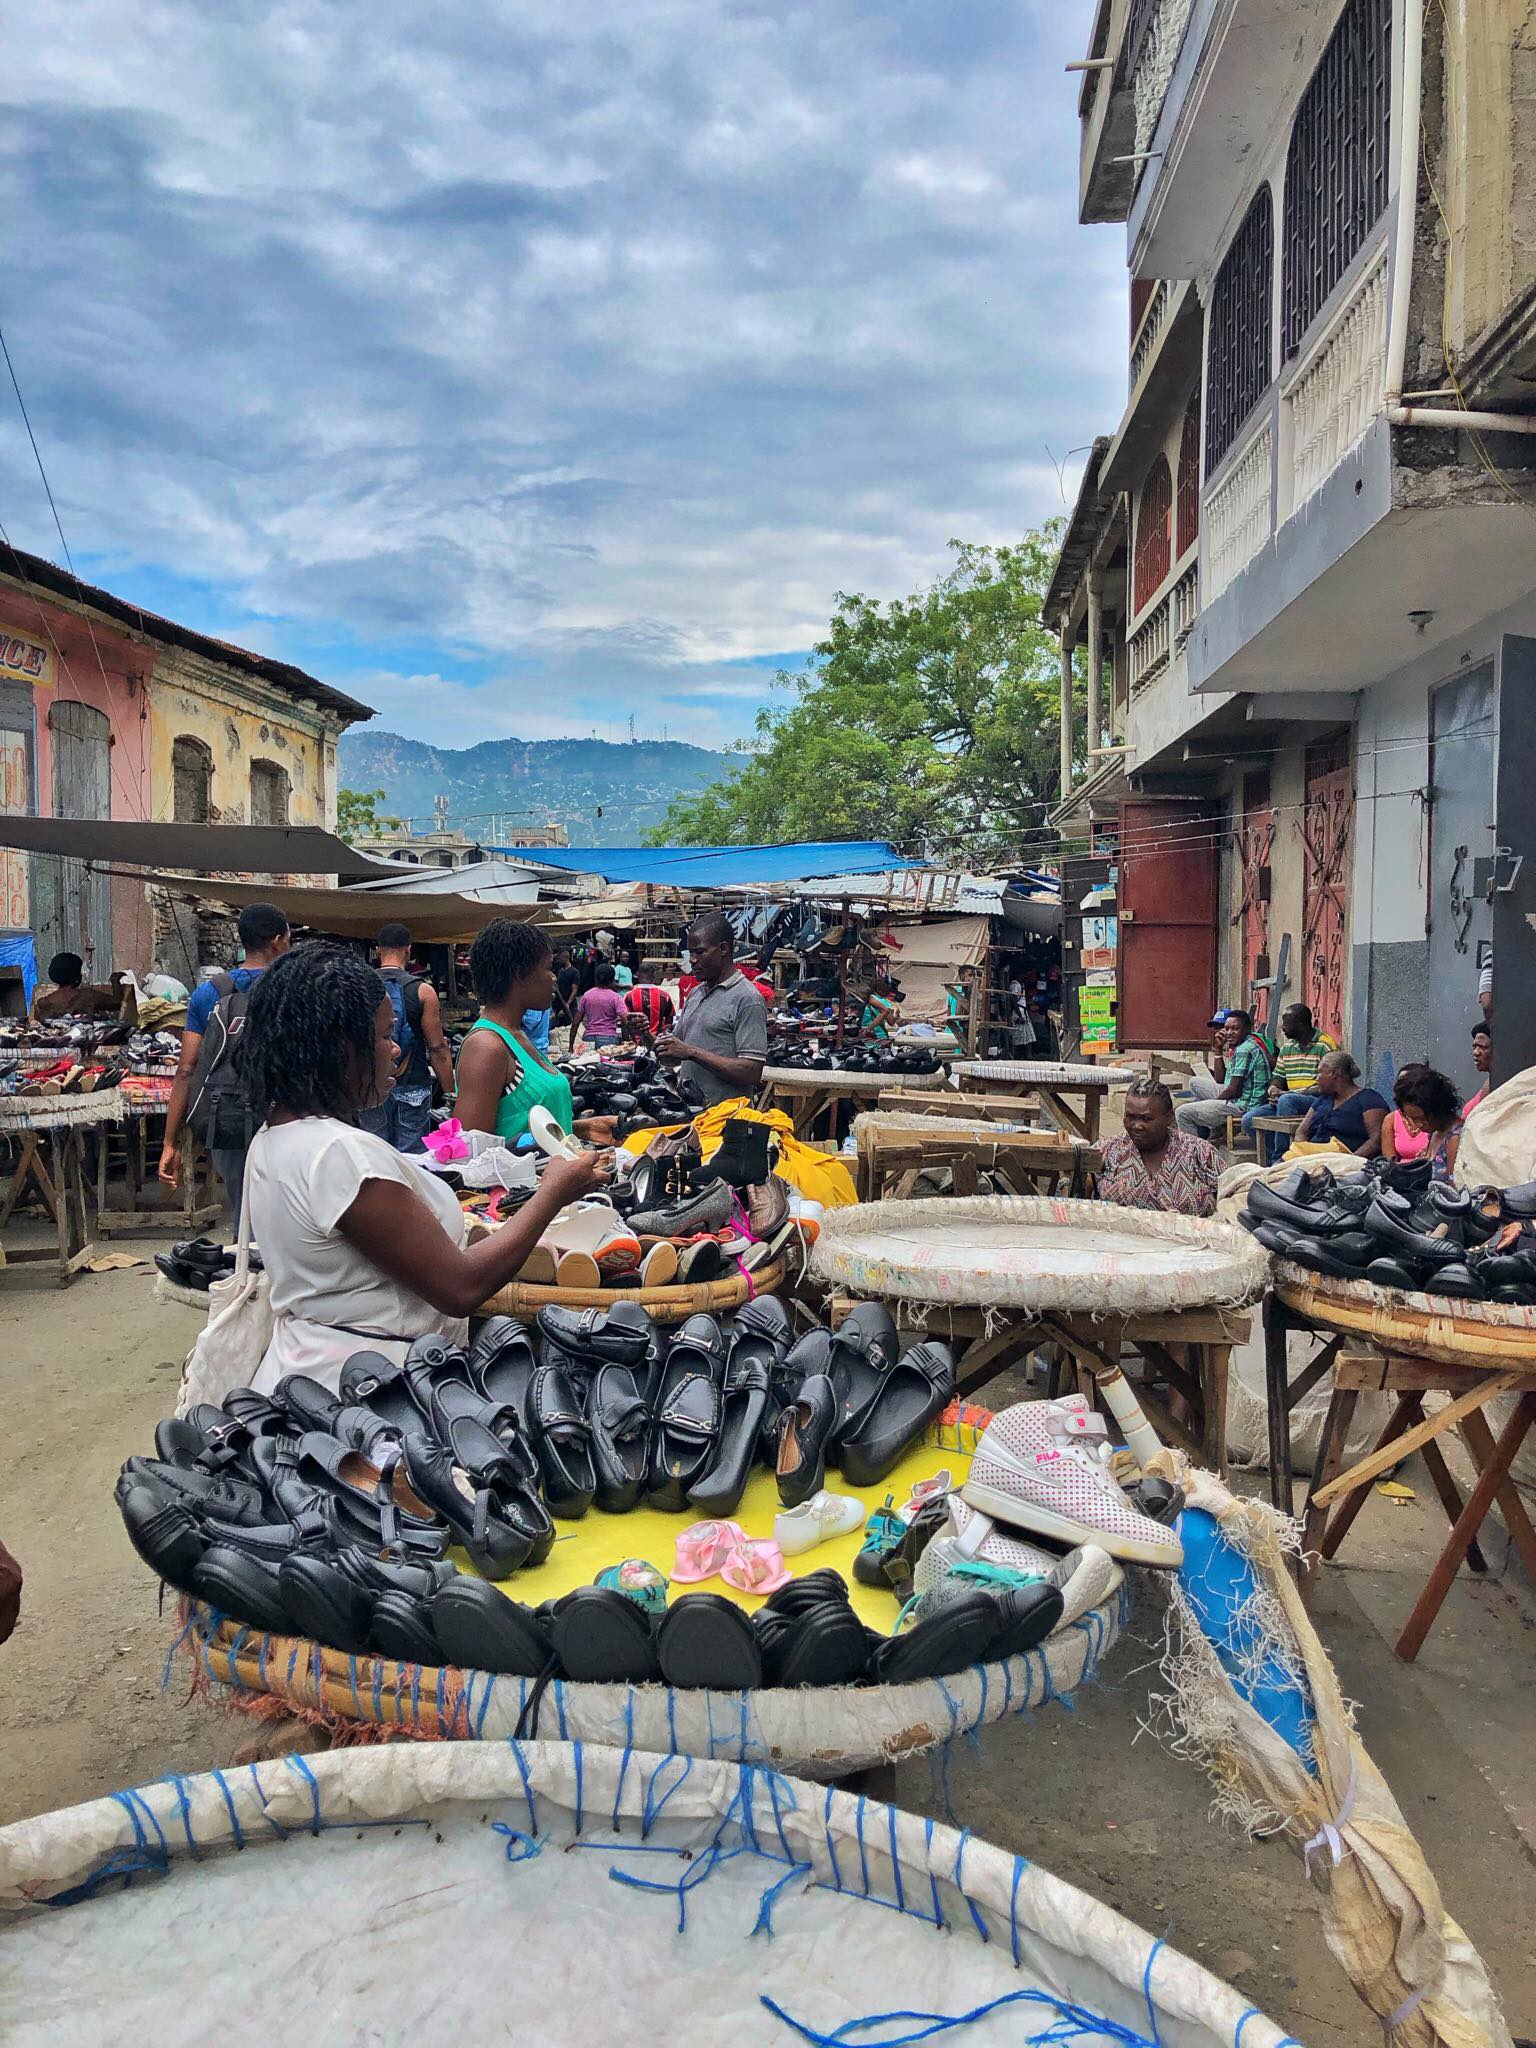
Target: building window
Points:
(1189, 477)
(1336, 172)
(1154, 536)
(1238, 349)
(191, 782)
(269, 793)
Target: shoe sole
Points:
(577, 1269)
(539, 1269)
(659, 1266)
(1043, 1521)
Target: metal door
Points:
(1462, 746)
(1507, 887)
(72, 904)
(1258, 843)
(1327, 827)
(1169, 853)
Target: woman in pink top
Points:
(601, 1010)
(1399, 1138)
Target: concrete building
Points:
(1303, 567)
(108, 711)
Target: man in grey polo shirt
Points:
(721, 1037)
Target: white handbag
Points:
(235, 1337)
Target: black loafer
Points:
(688, 1413)
(620, 1335)
(326, 1605)
(743, 1401)
(705, 1641)
(620, 1423)
(480, 1629)
(371, 1380)
(402, 1628)
(862, 1350)
(487, 1497)
(912, 1391)
(805, 1431)
(245, 1587)
(165, 1534)
(201, 1493)
(562, 1438)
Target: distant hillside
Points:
(530, 780)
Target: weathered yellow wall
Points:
(240, 721)
(1489, 159)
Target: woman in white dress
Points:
(363, 1248)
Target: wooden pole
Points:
(1095, 673)
(1066, 715)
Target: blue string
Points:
(357, 1705)
(486, 1691)
(1007, 1685)
(933, 1882)
(517, 1752)
(1252, 2013)
(442, 1710)
(826, 1819)
(275, 1825)
(979, 1923)
(746, 1723)
(629, 1750)
(170, 1655)
(1019, 1867)
(558, 1689)
(179, 1786)
(672, 1720)
(654, 1808)
(859, 1831)
(378, 1688)
(1146, 1989)
(703, 1869)
(764, 1922)
(773, 1781)
(520, 1847)
(1074, 2022)
(229, 1802)
(709, 1723)
(576, 1753)
(901, 1896)
(297, 1763)
(742, 1806)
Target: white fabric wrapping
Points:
(989, 1251)
(1052, 1073)
(856, 1084)
(410, 1893)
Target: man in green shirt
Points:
(1293, 1090)
(1242, 1072)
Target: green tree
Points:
(357, 814)
(932, 720)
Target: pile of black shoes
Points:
(864, 1059)
(198, 1263)
(853, 1398)
(638, 1091)
(1396, 1226)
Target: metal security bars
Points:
(1188, 525)
(1154, 536)
(1238, 349)
(1337, 169)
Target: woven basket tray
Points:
(854, 1084)
(1489, 1333)
(1048, 1073)
(664, 1304)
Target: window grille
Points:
(1337, 170)
(1154, 535)
(1189, 477)
(1238, 351)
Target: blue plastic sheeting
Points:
(21, 952)
(717, 867)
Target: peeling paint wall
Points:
(240, 721)
(1488, 159)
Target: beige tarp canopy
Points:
(931, 955)
(227, 849)
(433, 920)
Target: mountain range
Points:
(604, 793)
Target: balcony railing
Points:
(1239, 514)
(1338, 390)
(1185, 604)
(1154, 61)
(1153, 321)
(1150, 648)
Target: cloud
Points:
(593, 344)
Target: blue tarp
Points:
(716, 867)
(21, 952)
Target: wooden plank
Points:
(1492, 1476)
(1479, 1441)
(1408, 1409)
(1450, 1499)
(1378, 1461)
(1330, 1456)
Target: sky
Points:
(519, 368)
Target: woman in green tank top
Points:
(500, 1076)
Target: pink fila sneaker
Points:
(1043, 1467)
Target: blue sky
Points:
(517, 369)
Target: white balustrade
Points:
(1149, 649)
(1339, 388)
(1239, 514)
(1185, 603)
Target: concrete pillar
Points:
(1095, 675)
(1066, 713)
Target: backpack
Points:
(404, 996)
(218, 1111)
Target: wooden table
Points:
(1186, 1352)
(195, 1202)
(51, 1163)
(892, 1157)
(805, 1095)
(1051, 1088)
(925, 1101)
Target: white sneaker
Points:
(1043, 1466)
(817, 1520)
(1085, 1577)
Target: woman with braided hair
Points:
(363, 1248)
(502, 1075)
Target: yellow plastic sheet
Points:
(819, 1176)
(585, 1548)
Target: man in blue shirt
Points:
(224, 1125)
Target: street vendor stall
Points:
(1052, 1082)
(809, 1095)
(48, 1136)
(896, 1150)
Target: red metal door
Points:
(1257, 846)
(1327, 824)
(1169, 852)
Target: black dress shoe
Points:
(326, 1605)
(1397, 1226)
(480, 1629)
(912, 1391)
(371, 1380)
(246, 1587)
(164, 1533)
(805, 1431)
(487, 1497)
(621, 1335)
(561, 1436)
(743, 1403)
(1345, 1257)
(863, 1349)
(202, 1493)
(1459, 1282)
(401, 1628)
(620, 1422)
(1394, 1273)
(686, 1434)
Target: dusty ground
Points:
(85, 1374)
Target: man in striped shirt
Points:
(1293, 1091)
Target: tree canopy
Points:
(932, 720)
(357, 814)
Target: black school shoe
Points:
(686, 1436)
(246, 1587)
(706, 1641)
(619, 1419)
(602, 1637)
(912, 1391)
(805, 1431)
(480, 1629)
(487, 1495)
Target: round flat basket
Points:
(822, 1731)
(1049, 1073)
(60, 1112)
(664, 1304)
(421, 1891)
(1489, 1333)
(849, 1082)
(987, 1251)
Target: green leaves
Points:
(931, 720)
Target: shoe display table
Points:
(894, 1151)
(48, 1132)
(807, 1094)
(662, 1304)
(1002, 1277)
(1052, 1082)
(192, 1207)
(1410, 1346)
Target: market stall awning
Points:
(227, 849)
(717, 867)
(353, 913)
(483, 881)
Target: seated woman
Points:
(363, 1249)
(1399, 1138)
(500, 1074)
(1348, 1114)
(1431, 1106)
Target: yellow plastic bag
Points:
(819, 1176)
(1304, 1151)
